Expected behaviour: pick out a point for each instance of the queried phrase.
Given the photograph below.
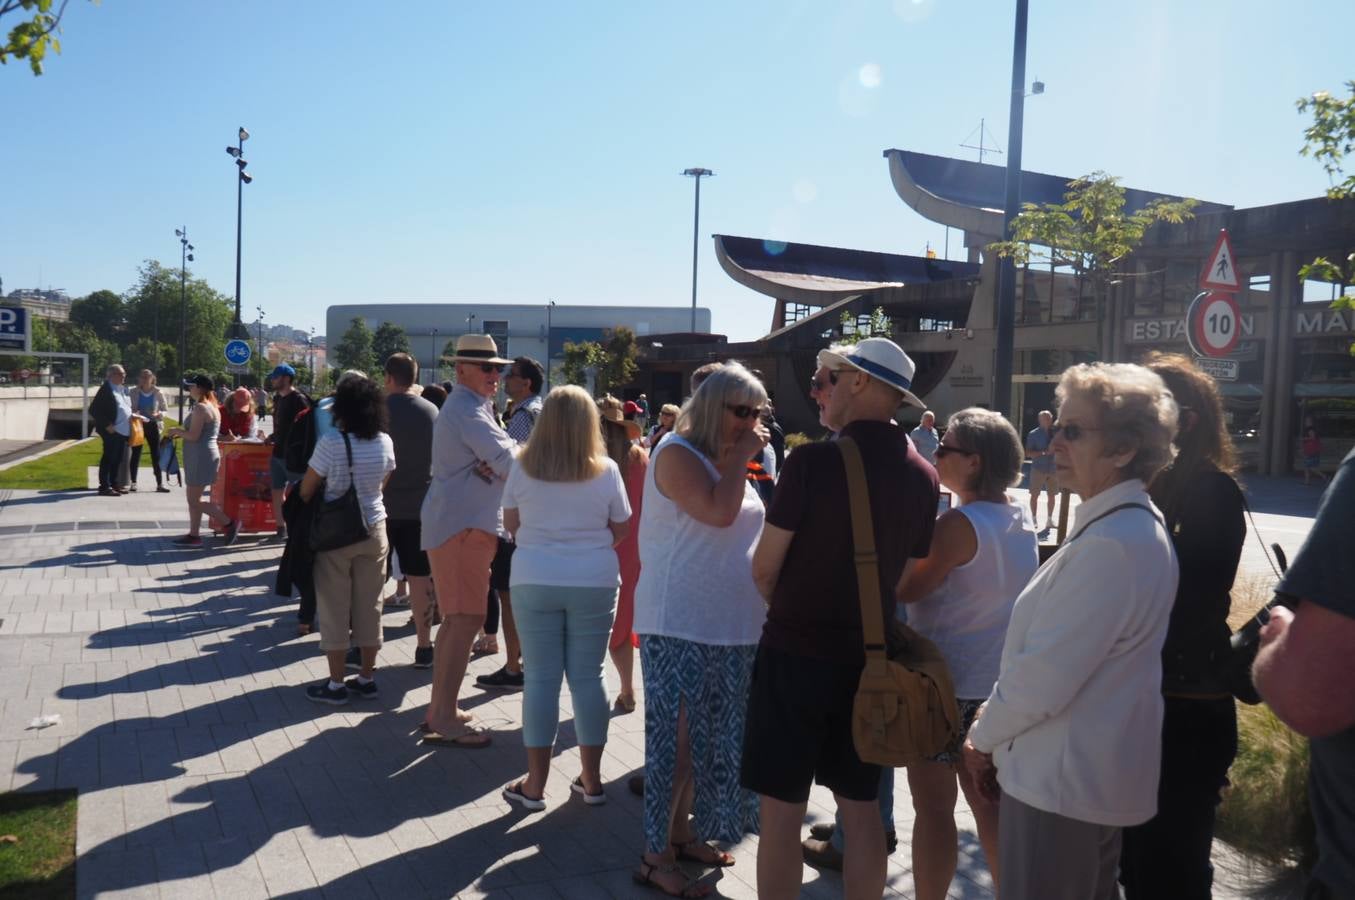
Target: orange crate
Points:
(244, 488)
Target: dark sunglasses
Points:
(744, 412)
(816, 384)
(490, 367)
(1070, 432)
(944, 450)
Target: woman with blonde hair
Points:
(620, 436)
(565, 505)
(148, 404)
(699, 616)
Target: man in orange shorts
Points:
(461, 523)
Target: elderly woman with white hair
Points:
(699, 616)
(1071, 733)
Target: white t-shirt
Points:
(563, 539)
(373, 459)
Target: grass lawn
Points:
(40, 865)
(65, 470)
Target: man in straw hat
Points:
(461, 524)
(812, 650)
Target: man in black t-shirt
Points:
(812, 649)
(287, 402)
(1304, 671)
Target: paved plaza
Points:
(204, 771)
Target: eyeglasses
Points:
(944, 450)
(1070, 432)
(816, 384)
(743, 412)
(490, 367)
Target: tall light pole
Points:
(433, 359)
(259, 364)
(310, 357)
(550, 308)
(1006, 273)
(698, 174)
(185, 257)
(237, 329)
(470, 324)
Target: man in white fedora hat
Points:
(812, 649)
(461, 524)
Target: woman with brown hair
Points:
(620, 436)
(1203, 507)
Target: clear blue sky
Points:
(515, 152)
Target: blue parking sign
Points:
(14, 334)
(237, 352)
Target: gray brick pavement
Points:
(203, 771)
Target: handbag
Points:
(904, 711)
(169, 459)
(138, 434)
(339, 522)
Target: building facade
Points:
(538, 331)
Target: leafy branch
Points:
(32, 39)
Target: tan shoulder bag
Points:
(904, 711)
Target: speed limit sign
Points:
(1213, 324)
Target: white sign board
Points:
(1218, 369)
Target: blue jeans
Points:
(886, 799)
(564, 632)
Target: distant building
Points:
(518, 329)
(55, 305)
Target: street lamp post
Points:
(185, 257)
(697, 174)
(259, 365)
(550, 308)
(237, 329)
(1006, 283)
(433, 359)
(470, 324)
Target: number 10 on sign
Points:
(1214, 323)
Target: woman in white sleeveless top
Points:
(961, 597)
(699, 616)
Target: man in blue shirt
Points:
(1043, 475)
(1304, 671)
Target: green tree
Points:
(143, 353)
(155, 304)
(103, 311)
(354, 350)
(619, 364)
(580, 357)
(1330, 139)
(854, 331)
(1090, 233)
(389, 340)
(33, 37)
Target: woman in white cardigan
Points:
(1072, 730)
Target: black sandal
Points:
(722, 859)
(646, 879)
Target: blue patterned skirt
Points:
(711, 683)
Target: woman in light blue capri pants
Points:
(565, 503)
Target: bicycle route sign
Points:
(237, 352)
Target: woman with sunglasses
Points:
(699, 616)
(1070, 737)
(1204, 510)
(961, 597)
(667, 419)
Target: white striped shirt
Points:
(373, 459)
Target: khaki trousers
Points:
(348, 585)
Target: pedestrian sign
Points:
(1220, 271)
(237, 352)
(1213, 324)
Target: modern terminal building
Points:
(538, 331)
(1291, 365)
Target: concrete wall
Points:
(23, 420)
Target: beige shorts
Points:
(460, 567)
(1039, 481)
(348, 586)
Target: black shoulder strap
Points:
(1111, 512)
(348, 448)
